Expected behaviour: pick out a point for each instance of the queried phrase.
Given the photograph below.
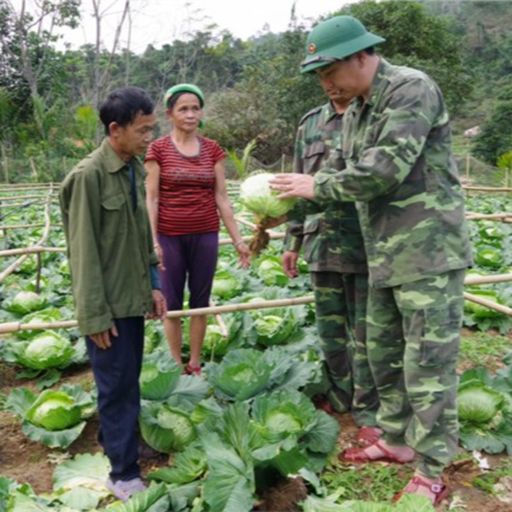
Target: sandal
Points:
(366, 436)
(322, 403)
(439, 491)
(192, 370)
(360, 455)
(124, 489)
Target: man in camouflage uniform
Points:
(401, 174)
(333, 247)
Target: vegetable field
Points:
(246, 434)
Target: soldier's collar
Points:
(377, 80)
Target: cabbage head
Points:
(242, 374)
(215, 343)
(478, 403)
(257, 197)
(26, 302)
(158, 381)
(54, 410)
(270, 271)
(166, 428)
(275, 327)
(47, 350)
(225, 285)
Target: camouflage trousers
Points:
(340, 302)
(413, 343)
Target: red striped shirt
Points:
(187, 187)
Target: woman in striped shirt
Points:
(186, 194)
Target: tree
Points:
(495, 137)
(416, 38)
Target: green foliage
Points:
(416, 38)
(495, 137)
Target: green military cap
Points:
(191, 88)
(335, 39)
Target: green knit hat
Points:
(191, 88)
(335, 39)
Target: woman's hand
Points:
(244, 254)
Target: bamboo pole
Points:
(15, 264)
(488, 303)
(31, 196)
(227, 308)
(26, 226)
(487, 189)
(39, 248)
(24, 186)
(488, 216)
(493, 278)
(220, 322)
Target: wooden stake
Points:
(488, 303)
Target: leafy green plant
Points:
(485, 410)
(242, 164)
(166, 428)
(25, 302)
(53, 418)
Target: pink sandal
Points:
(366, 436)
(360, 455)
(438, 489)
(193, 370)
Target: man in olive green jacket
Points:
(113, 271)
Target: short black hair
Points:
(123, 105)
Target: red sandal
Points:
(360, 455)
(438, 489)
(366, 436)
(192, 370)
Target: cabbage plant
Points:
(166, 428)
(53, 418)
(158, 378)
(484, 405)
(25, 302)
(226, 284)
(257, 197)
(46, 350)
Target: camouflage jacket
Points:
(401, 173)
(331, 239)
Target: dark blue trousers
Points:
(116, 372)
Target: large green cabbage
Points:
(54, 410)
(477, 403)
(26, 302)
(225, 284)
(47, 350)
(256, 196)
(158, 380)
(165, 428)
(53, 418)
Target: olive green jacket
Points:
(110, 247)
(331, 238)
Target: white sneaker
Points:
(124, 489)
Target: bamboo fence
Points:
(486, 189)
(10, 327)
(15, 264)
(38, 248)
